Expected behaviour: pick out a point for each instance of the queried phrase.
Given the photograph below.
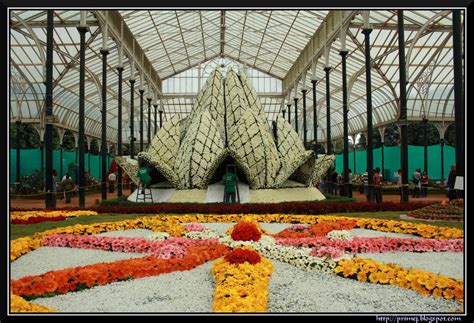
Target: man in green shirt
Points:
(230, 181)
(144, 176)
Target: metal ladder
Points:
(143, 194)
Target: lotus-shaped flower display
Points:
(227, 121)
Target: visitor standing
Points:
(334, 182)
(55, 180)
(230, 181)
(68, 187)
(399, 183)
(365, 183)
(112, 179)
(350, 182)
(424, 184)
(451, 182)
(340, 182)
(377, 185)
(416, 177)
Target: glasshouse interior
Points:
(244, 160)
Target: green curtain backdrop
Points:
(392, 160)
(30, 159)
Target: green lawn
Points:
(22, 230)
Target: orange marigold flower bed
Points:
(317, 230)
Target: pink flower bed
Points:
(379, 244)
(195, 227)
(327, 252)
(167, 249)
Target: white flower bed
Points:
(180, 291)
(339, 235)
(158, 236)
(298, 257)
(295, 290)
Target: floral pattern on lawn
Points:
(313, 243)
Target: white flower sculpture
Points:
(227, 119)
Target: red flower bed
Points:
(239, 256)
(317, 230)
(246, 231)
(257, 208)
(443, 212)
(73, 279)
(38, 219)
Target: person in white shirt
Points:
(112, 179)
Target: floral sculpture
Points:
(227, 119)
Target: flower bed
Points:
(242, 276)
(74, 279)
(440, 212)
(42, 214)
(38, 219)
(423, 282)
(378, 245)
(260, 208)
(241, 286)
(170, 248)
(20, 305)
(316, 230)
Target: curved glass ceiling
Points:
(183, 46)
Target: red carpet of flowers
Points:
(257, 208)
(246, 231)
(239, 256)
(38, 219)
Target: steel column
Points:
(82, 76)
(103, 149)
(403, 107)
(289, 114)
(18, 149)
(296, 115)
(155, 129)
(132, 127)
(305, 139)
(458, 91)
(141, 118)
(149, 122)
(50, 198)
(328, 112)
(425, 142)
(315, 119)
(119, 126)
(345, 111)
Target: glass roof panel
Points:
(268, 42)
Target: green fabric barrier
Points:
(30, 160)
(392, 160)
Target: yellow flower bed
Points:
(24, 245)
(425, 283)
(50, 214)
(420, 229)
(20, 305)
(241, 287)
(423, 230)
